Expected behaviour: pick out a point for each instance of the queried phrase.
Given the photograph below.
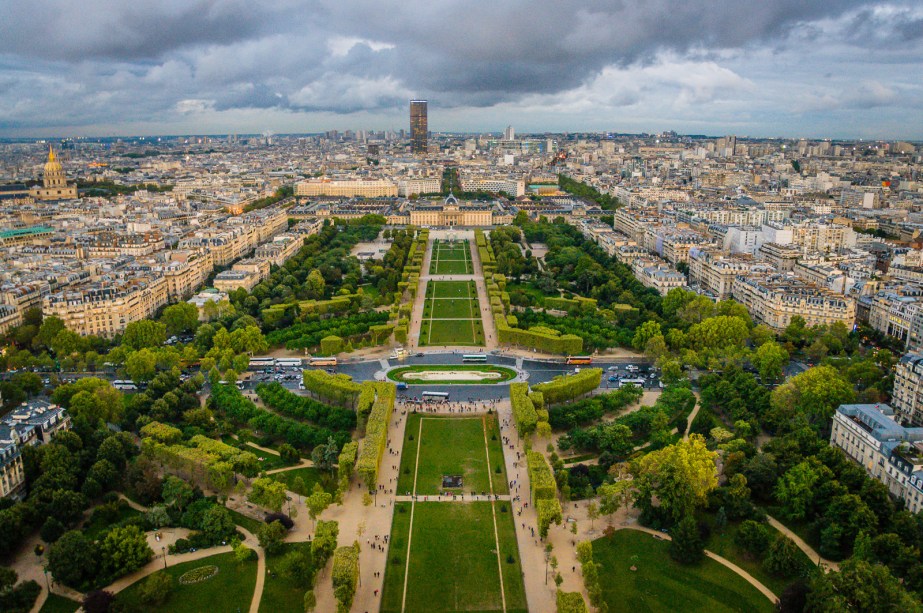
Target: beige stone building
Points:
(773, 299)
(351, 188)
(54, 182)
(713, 272)
(105, 308)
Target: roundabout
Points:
(453, 374)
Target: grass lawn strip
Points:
(413, 504)
(659, 584)
(227, 592)
(493, 514)
(401, 373)
(392, 592)
(451, 446)
(453, 566)
(281, 593)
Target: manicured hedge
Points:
(571, 602)
(308, 334)
(549, 512)
(376, 432)
(345, 576)
(523, 409)
(281, 400)
(346, 463)
(568, 387)
(566, 304)
(540, 477)
(163, 433)
(339, 390)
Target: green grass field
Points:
(59, 604)
(451, 259)
(451, 315)
(453, 560)
(660, 584)
(279, 592)
(405, 373)
(229, 591)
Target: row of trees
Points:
(278, 398)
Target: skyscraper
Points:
(418, 126)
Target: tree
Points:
(73, 560)
(784, 559)
(795, 489)
(271, 537)
(288, 454)
(318, 501)
(859, 586)
(298, 567)
(242, 553)
(310, 601)
(47, 331)
(123, 550)
(156, 589)
(144, 333)
(753, 537)
(680, 476)
(180, 317)
(315, 285)
(217, 524)
(177, 493)
(613, 495)
(141, 366)
(644, 333)
(268, 493)
(98, 601)
(686, 546)
(592, 511)
(816, 393)
(769, 359)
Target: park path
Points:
(416, 313)
(540, 594)
(692, 415)
(361, 523)
(809, 551)
(304, 463)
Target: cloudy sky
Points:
(815, 68)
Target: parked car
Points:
(613, 379)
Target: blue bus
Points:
(474, 357)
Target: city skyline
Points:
(842, 69)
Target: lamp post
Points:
(164, 550)
(47, 583)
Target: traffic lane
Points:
(459, 393)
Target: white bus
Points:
(323, 361)
(289, 362)
(126, 386)
(639, 382)
(262, 362)
(435, 396)
(474, 357)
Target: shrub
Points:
(155, 589)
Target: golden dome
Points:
(52, 166)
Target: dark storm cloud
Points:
(108, 61)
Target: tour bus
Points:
(127, 386)
(474, 357)
(324, 361)
(399, 354)
(258, 363)
(289, 362)
(435, 396)
(639, 382)
(579, 359)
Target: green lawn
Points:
(451, 259)
(309, 475)
(392, 592)
(453, 561)
(59, 604)
(723, 544)
(451, 315)
(452, 332)
(247, 523)
(399, 374)
(451, 289)
(660, 584)
(451, 446)
(281, 593)
(227, 592)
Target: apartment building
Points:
(33, 423)
(888, 452)
(657, 274)
(410, 187)
(515, 187)
(104, 308)
(907, 396)
(893, 311)
(712, 272)
(773, 299)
